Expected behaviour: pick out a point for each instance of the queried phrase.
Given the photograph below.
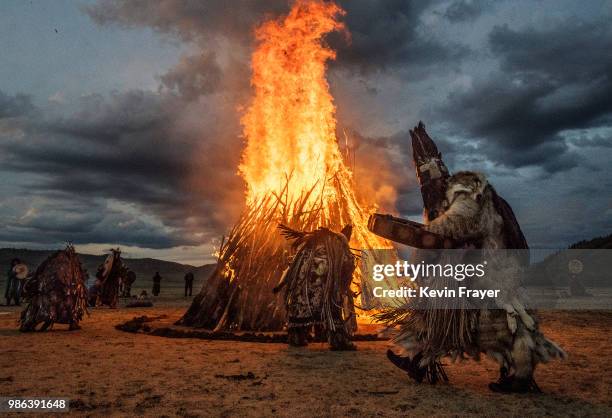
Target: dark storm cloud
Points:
(158, 169)
(385, 34)
(105, 120)
(194, 76)
(140, 148)
(466, 10)
(571, 51)
(596, 141)
(550, 80)
(14, 106)
(84, 222)
(127, 133)
(190, 20)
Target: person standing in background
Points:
(156, 284)
(189, 283)
(13, 284)
(130, 278)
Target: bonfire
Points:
(294, 172)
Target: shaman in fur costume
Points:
(473, 212)
(317, 285)
(56, 293)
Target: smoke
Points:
(193, 76)
(150, 169)
(385, 34)
(381, 168)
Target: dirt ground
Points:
(106, 372)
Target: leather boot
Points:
(513, 384)
(410, 366)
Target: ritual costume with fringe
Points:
(56, 293)
(317, 286)
(109, 277)
(466, 209)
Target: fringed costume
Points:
(317, 287)
(109, 276)
(465, 208)
(56, 293)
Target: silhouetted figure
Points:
(129, 280)
(156, 284)
(13, 284)
(188, 283)
(110, 273)
(93, 292)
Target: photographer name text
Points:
(426, 292)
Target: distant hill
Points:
(599, 243)
(172, 273)
(596, 264)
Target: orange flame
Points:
(290, 126)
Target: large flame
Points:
(294, 172)
(290, 125)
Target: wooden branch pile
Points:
(238, 295)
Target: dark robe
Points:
(156, 284)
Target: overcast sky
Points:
(119, 120)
